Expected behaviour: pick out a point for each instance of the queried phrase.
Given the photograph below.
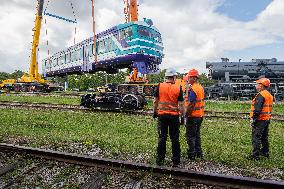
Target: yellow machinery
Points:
(7, 82)
(32, 80)
(136, 78)
(33, 75)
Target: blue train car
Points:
(134, 44)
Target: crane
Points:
(131, 15)
(131, 10)
(34, 75)
(32, 80)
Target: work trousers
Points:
(260, 138)
(168, 124)
(193, 125)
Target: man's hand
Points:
(252, 122)
(155, 115)
(181, 120)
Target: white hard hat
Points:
(170, 72)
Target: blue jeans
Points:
(193, 125)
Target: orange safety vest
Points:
(198, 109)
(266, 110)
(168, 99)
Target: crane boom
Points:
(34, 75)
(33, 64)
(131, 10)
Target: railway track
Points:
(182, 175)
(209, 114)
(46, 94)
(7, 104)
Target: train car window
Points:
(121, 34)
(106, 44)
(144, 32)
(73, 56)
(156, 36)
(99, 47)
(102, 46)
(68, 58)
(78, 54)
(46, 64)
(110, 44)
(55, 62)
(90, 49)
(62, 60)
(81, 54)
(126, 33)
(51, 63)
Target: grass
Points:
(42, 99)
(225, 142)
(236, 106)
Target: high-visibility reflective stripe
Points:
(176, 109)
(198, 108)
(201, 100)
(268, 113)
(168, 99)
(167, 103)
(267, 105)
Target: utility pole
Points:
(94, 30)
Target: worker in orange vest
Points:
(260, 115)
(194, 105)
(168, 107)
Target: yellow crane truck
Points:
(31, 81)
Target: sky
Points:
(193, 31)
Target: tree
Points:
(86, 81)
(205, 81)
(3, 76)
(157, 78)
(16, 74)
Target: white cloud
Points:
(192, 31)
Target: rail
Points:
(183, 174)
(209, 114)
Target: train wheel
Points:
(130, 102)
(24, 89)
(16, 88)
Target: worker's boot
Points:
(253, 157)
(199, 155)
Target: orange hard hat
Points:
(193, 73)
(264, 81)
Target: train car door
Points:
(87, 65)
